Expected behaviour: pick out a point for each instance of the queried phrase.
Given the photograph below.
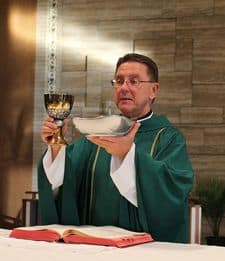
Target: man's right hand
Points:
(48, 129)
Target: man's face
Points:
(134, 102)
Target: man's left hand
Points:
(116, 145)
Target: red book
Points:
(97, 235)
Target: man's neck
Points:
(145, 116)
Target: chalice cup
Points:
(58, 106)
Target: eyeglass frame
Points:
(128, 82)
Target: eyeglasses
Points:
(135, 83)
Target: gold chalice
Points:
(58, 106)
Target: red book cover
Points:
(117, 242)
(97, 235)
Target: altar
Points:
(12, 249)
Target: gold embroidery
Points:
(155, 140)
(92, 181)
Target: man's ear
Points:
(154, 90)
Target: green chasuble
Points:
(164, 178)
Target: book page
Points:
(86, 230)
(102, 231)
(55, 227)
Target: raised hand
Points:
(119, 145)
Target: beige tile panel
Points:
(156, 46)
(99, 88)
(209, 95)
(204, 33)
(138, 29)
(184, 45)
(209, 69)
(106, 78)
(205, 140)
(88, 41)
(202, 115)
(224, 114)
(93, 82)
(164, 62)
(206, 150)
(113, 30)
(194, 136)
(154, 29)
(98, 63)
(194, 7)
(209, 61)
(183, 63)
(201, 22)
(208, 164)
(175, 88)
(93, 10)
(107, 88)
(103, 54)
(172, 112)
(219, 7)
(215, 136)
(169, 9)
(107, 10)
(201, 27)
(162, 51)
(72, 60)
(148, 9)
(75, 31)
(74, 83)
(133, 9)
(94, 89)
(183, 57)
(210, 47)
(107, 94)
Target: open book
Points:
(98, 235)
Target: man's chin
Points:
(126, 112)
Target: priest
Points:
(140, 181)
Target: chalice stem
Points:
(58, 138)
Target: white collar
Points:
(146, 118)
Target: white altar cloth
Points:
(26, 250)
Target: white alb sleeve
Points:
(55, 170)
(123, 174)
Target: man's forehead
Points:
(133, 68)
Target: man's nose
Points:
(125, 84)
